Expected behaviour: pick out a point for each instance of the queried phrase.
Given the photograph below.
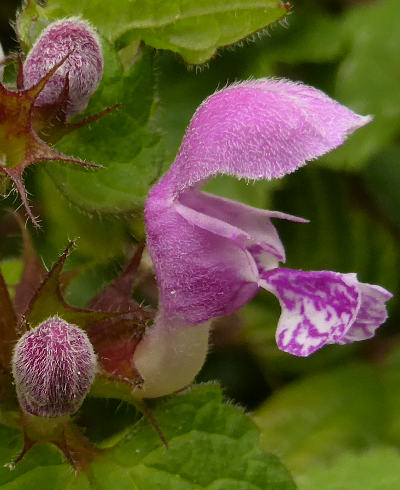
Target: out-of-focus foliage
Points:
(335, 422)
(382, 179)
(314, 420)
(367, 78)
(377, 469)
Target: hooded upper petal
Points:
(261, 129)
(323, 307)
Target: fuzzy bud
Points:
(76, 39)
(53, 366)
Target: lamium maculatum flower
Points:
(77, 42)
(212, 255)
(53, 367)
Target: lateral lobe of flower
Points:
(200, 274)
(323, 307)
(262, 129)
(208, 252)
(247, 225)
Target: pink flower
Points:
(212, 255)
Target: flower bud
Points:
(53, 366)
(77, 40)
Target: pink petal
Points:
(209, 252)
(262, 129)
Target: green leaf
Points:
(120, 141)
(367, 80)
(30, 22)
(378, 469)
(193, 29)
(11, 270)
(217, 443)
(8, 326)
(211, 446)
(391, 382)
(314, 419)
(41, 458)
(99, 238)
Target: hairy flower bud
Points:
(53, 366)
(77, 40)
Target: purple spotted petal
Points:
(318, 308)
(323, 307)
(262, 129)
(371, 314)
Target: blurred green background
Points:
(318, 413)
